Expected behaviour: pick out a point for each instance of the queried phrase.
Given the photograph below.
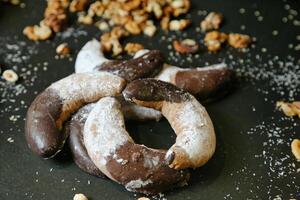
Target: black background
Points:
(244, 165)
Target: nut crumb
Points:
(237, 40)
(214, 40)
(10, 76)
(179, 25)
(132, 48)
(143, 198)
(186, 46)
(63, 49)
(78, 5)
(35, 33)
(295, 146)
(80, 197)
(289, 109)
(211, 22)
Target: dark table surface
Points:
(253, 158)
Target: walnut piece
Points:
(211, 22)
(35, 33)
(149, 28)
(237, 40)
(295, 146)
(10, 76)
(80, 197)
(56, 15)
(78, 5)
(289, 109)
(143, 198)
(186, 46)
(214, 40)
(110, 41)
(178, 25)
(132, 48)
(63, 49)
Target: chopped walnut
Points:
(10, 76)
(237, 40)
(78, 5)
(149, 28)
(35, 33)
(63, 49)
(102, 25)
(295, 146)
(143, 198)
(180, 7)
(289, 109)
(110, 41)
(85, 19)
(132, 27)
(186, 46)
(214, 39)
(132, 48)
(80, 197)
(212, 21)
(178, 25)
(55, 15)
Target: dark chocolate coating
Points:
(205, 84)
(154, 90)
(145, 164)
(148, 65)
(74, 129)
(41, 132)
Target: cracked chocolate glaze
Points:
(154, 90)
(196, 141)
(148, 65)
(138, 168)
(48, 112)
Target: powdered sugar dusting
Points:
(104, 131)
(136, 184)
(89, 57)
(194, 129)
(88, 86)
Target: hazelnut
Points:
(80, 197)
(10, 76)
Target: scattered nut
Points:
(10, 76)
(143, 198)
(85, 19)
(149, 29)
(102, 25)
(214, 39)
(132, 48)
(132, 27)
(295, 146)
(63, 49)
(178, 25)
(289, 109)
(78, 5)
(55, 14)
(239, 40)
(186, 46)
(212, 21)
(35, 33)
(80, 197)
